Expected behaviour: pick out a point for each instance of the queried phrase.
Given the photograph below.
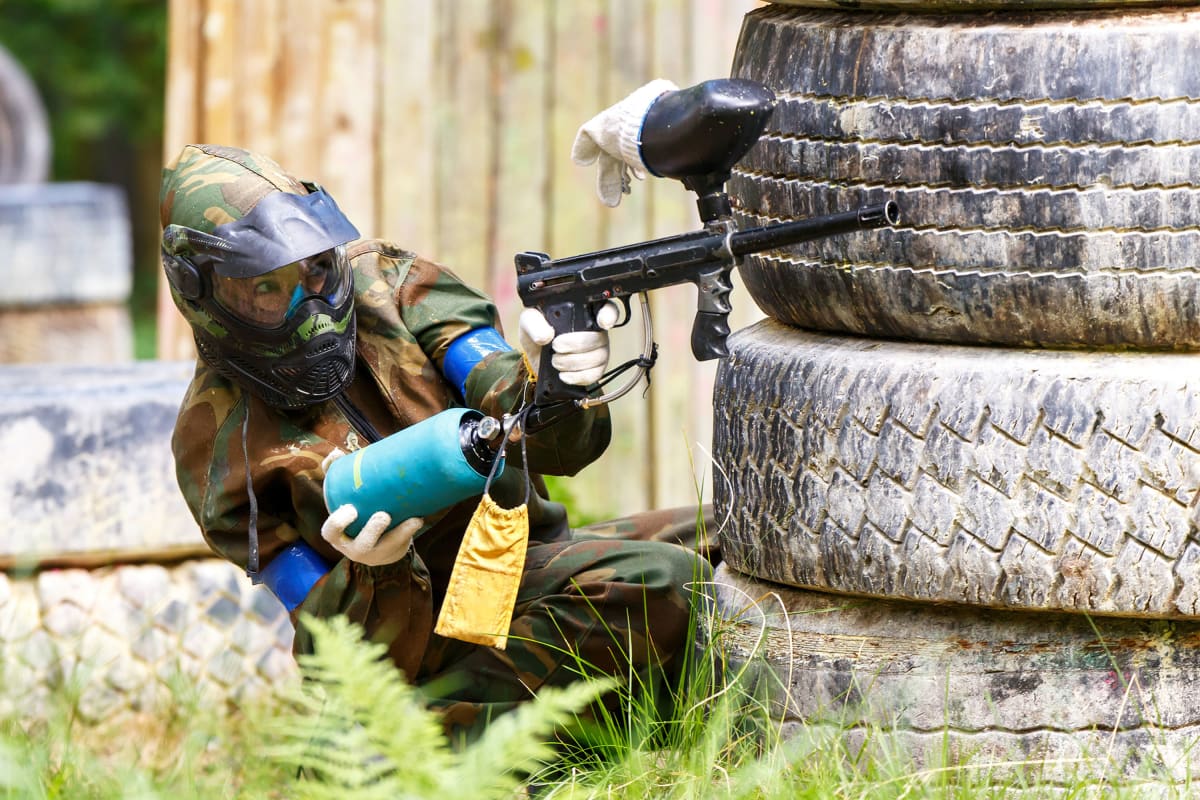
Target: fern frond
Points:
(518, 743)
(355, 724)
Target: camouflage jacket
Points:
(408, 312)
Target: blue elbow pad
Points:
(465, 352)
(293, 572)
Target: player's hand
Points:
(378, 543)
(580, 357)
(613, 139)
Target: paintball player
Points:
(314, 342)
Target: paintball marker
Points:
(695, 135)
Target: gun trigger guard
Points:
(642, 365)
(624, 320)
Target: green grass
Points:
(353, 729)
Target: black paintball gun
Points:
(695, 135)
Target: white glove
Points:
(377, 543)
(581, 357)
(614, 138)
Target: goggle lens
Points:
(268, 300)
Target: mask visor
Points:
(269, 299)
(281, 229)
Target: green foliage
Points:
(579, 516)
(100, 66)
(354, 729)
(360, 731)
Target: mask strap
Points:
(252, 546)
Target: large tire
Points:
(88, 481)
(1052, 696)
(974, 5)
(68, 271)
(89, 476)
(1028, 479)
(24, 133)
(121, 635)
(1046, 164)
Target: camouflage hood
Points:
(209, 185)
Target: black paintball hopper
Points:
(697, 134)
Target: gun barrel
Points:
(754, 240)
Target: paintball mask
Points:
(270, 296)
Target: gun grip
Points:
(564, 318)
(710, 329)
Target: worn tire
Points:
(65, 244)
(974, 5)
(1046, 165)
(121, 635)
(1030, 479)
(24, 132)
(90, 478)
(1044, 696)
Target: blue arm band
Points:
(468, 350)
(293, 572)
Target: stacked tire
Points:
(973, 442)
(106, 584)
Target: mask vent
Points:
(285, 385)
(322, 379)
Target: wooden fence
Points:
(447, 126)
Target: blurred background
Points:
(99, 68)
(445, 126)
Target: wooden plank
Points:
(219, 73)
(180, 125)
(259, 46)
(714, 33)
(462, 141)
(494, 109)
(516, 200)
(675, 425)
(583, 84)
(408, 127)
(581, 72)
(302, 116)
(181, 118)
(347, 141)
(624, 65)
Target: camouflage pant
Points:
(609, 599)
(614, 598)
(690, 527)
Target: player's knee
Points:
(689, 569)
